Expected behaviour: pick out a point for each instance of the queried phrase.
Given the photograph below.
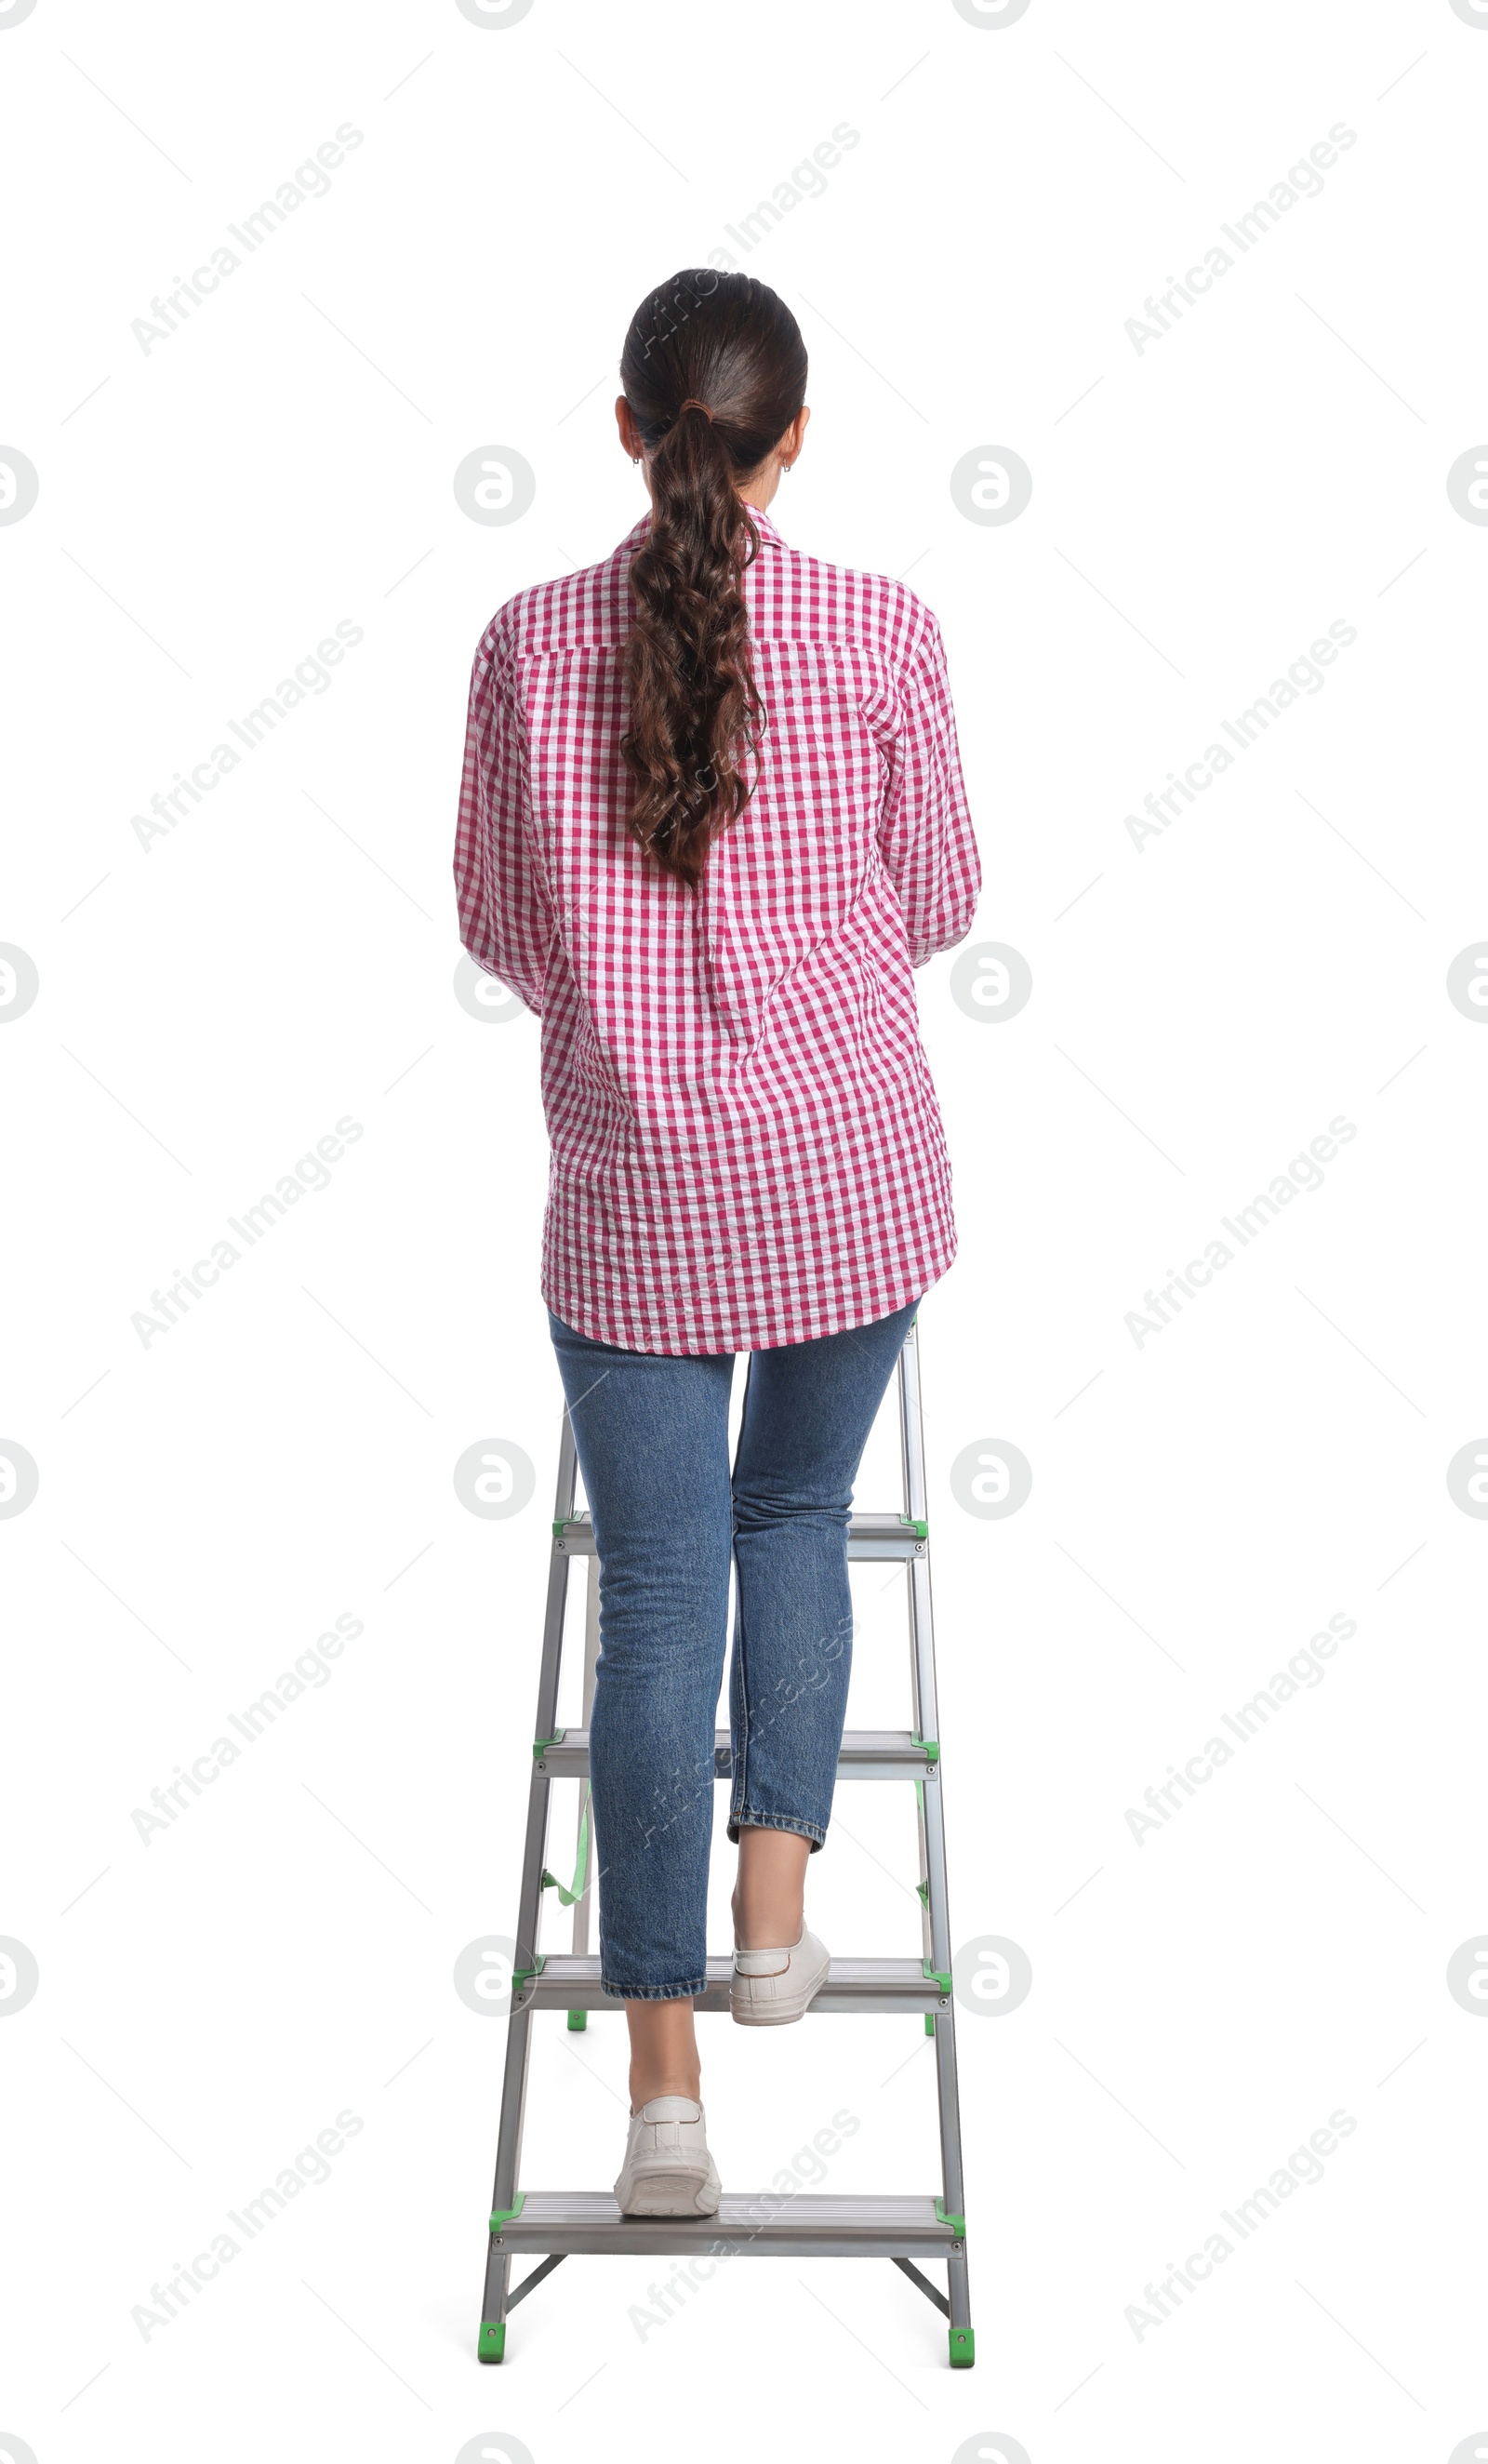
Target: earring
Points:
(636, 459)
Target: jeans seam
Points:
(741, 1758)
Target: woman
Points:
(713, 816)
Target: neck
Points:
(761, 491)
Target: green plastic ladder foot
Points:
(963, 2348)
(578, 2019)
(492, 2339)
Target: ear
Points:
(791, 442)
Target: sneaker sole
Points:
(670, 2194)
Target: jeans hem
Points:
(745, 1816)
(654, 1992)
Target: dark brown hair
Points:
(714, 371)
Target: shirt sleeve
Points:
(925, 830)
(506, 919)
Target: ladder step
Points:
(761, 2225)
(866, 1753)
(869, 1536)
(570, 1981)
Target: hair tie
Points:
(692, 404)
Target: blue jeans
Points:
(651, 1431)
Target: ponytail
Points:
(714, 371)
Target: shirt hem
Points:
(769, 1333)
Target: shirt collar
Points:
(762, 522)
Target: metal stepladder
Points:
(555, 2224)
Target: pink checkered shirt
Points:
(746, 1149)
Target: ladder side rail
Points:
(945, 2023)
(912, 1432)
(514, 2086)
(557, 1588)
(911, 1459)
(931, 1818)
(932, 1826)
(583, 1840)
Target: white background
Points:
(1201, 1505)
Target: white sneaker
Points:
(770, 1988)
(667, 2170)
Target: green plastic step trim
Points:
(541, 1745)
(963, 2348)
(923, 1889)
(521, 1976)
(921, 1531)
(930, 2023)
(928, 1748)
(578, 2019)
(937, 1975)
(492, 2339)
(503, 2217)
(957, 2223)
